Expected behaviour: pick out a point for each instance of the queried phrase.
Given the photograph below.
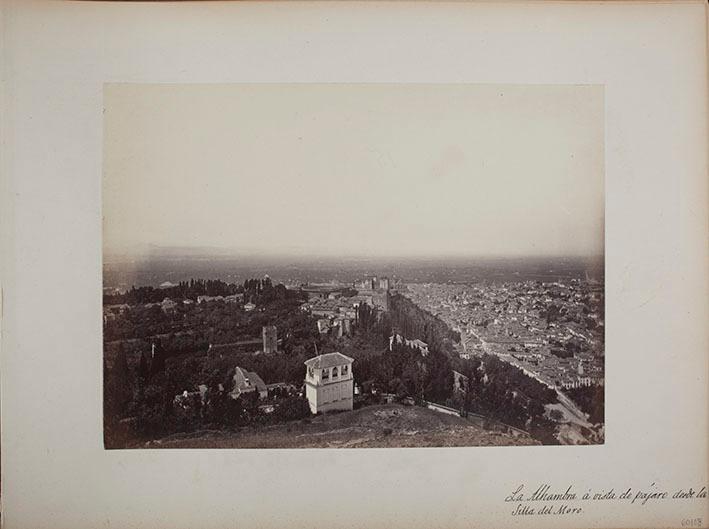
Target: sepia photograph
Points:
(336, 265)
(353, 265)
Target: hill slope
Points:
(389, 425)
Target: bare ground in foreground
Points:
(382, 426)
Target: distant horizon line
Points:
(145, 257)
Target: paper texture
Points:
(650, 59)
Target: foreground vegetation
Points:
(152, 355)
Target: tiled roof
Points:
(328, 360)
(257, 381)
(241, 376)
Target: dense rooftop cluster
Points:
(553, 331)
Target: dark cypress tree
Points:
(158, 361)
(122, 378)
(143, 366)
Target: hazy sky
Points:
(388, 170)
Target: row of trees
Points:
(405, 372)
(414, 322)
(145, 391)
(260, 291)
(140, 383)
(139, 402)
(591, 400)
(183, 290)
(499, 390)
(374, 323)
(494, 388)
(152, 411)
(212, 322)
(143, 321)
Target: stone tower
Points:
(270, 339)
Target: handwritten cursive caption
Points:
(543, 500)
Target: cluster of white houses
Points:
(563, 373)
(416, 343)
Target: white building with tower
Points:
(329, 382)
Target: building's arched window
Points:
(335, 372)
(325, 374)
(344, 370)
